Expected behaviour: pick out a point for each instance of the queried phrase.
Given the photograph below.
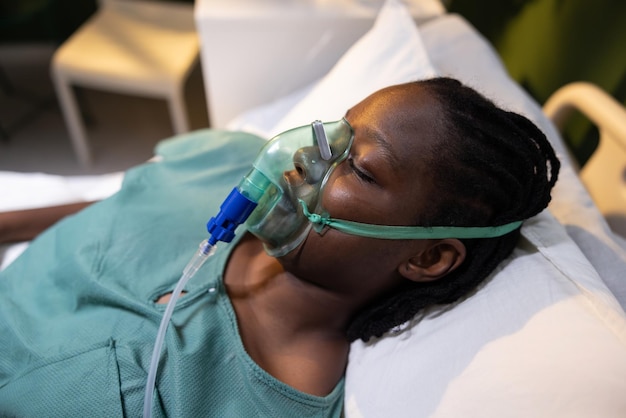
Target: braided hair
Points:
(492, 168)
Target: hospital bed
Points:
(545, 335)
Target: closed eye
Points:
(359, 173)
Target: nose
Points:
(309, 165)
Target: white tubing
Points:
(205, 250)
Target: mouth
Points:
(282, 225)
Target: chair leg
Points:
(82, 103)
(73, 120)
(178, 112)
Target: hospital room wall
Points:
(546, 44)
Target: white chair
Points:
(604, 174)
(133, 47)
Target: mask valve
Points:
(322, 140)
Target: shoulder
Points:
(208, 141)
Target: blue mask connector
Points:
(233, 212)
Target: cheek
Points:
(346, 263)
(344, 197)
(336, 198)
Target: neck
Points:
(258, 282)
(292, 329)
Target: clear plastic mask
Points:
(292, 168)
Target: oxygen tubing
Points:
(205, 251)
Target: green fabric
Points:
(77, 321)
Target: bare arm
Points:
(24, 225)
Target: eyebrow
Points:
(387, 152)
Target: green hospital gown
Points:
(77, 317)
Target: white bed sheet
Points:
(34, 190)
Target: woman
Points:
(254, 334)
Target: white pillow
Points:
(390, 53)
(542, 338)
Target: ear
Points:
(437, 260)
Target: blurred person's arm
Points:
(24, 225)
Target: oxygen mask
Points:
(289, 171)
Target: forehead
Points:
(406, 120)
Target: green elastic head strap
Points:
(407, 232)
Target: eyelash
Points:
(360, 174)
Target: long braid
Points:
(493, 167)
